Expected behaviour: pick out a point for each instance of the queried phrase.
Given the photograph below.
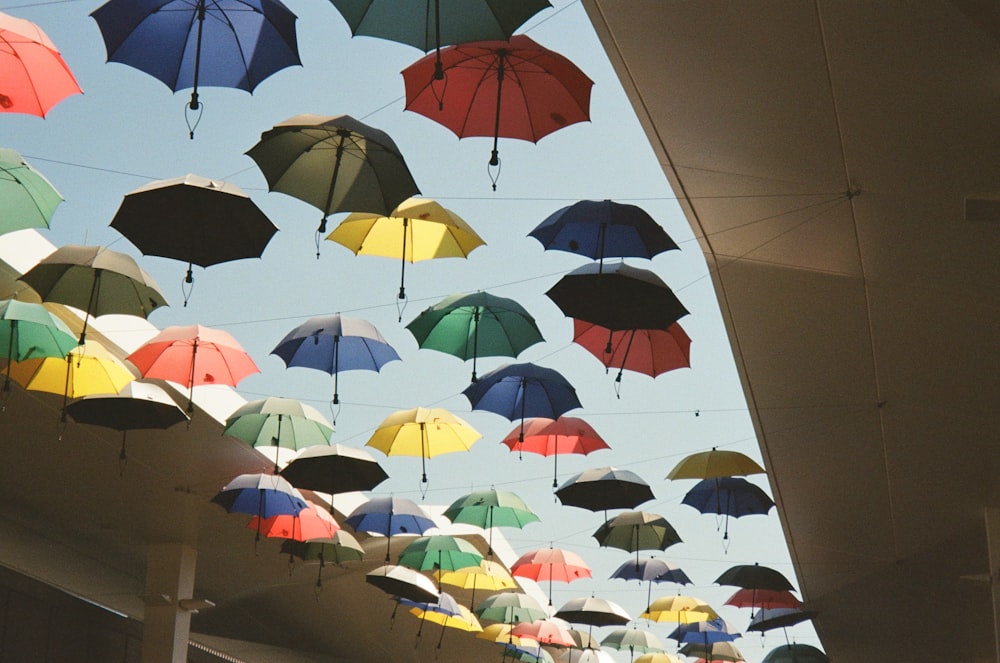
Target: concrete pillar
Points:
(169, 579)
(992, 517)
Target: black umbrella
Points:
(766, 619)
(195, 220)
(334, 469)
(603, 488)
(617, 297)
(754, 576)
(593, 611)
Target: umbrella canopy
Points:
(217, 43)
(795, 653)
(651, 570)
(464, 620)
(637, 530)
(603, 488)
(617, 297)
(261, 495)
(585, 656)
(29, 199)
(633, 640)
(658, 658)
(550, 564)
(279, 423)
(337, 549)
(312, 522)
(729, 497)
(417, 229)
(30, 331)
(652, 352)
(544, 91)
(600, 229)
(763, 598)
(487, 575)
(335, 343)
(704, 632)
(714, 464)
(476, 325)
(754, 576)
(519, 391)
(766, 619)
(510, 608)
(193, 355)
(490, 508)
(424, 432)
(439, 552)
(35, 78)
(679, 609)
(388, 516)
(334, 469)
(95, 280)
(716, 651)
(195, 220)
(551, 437)
(593, 611)
(546, 632)
(403, 582)
(334, 163)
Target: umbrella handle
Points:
(495, 155)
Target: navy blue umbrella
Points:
(184, 43)
(388, 516)
(728, 496)
(519, 391)
(602, 229)
(334, 343)
(651, 570)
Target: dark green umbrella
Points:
(476, 325)
(489, 509)
(29, 331)
(637, 530)
(29, 200)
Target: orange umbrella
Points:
(312, 522)
(34, 76)
(551, 437)
(550, 564)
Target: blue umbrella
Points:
(388, 516)
(602, 229)
(220, 43)
(651, 570)
(728, 496)
(705, 633)
(519, 391)
(261, 495)
(335, 343)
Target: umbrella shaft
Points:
(495, 157)
(197, 54)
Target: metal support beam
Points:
(166, 623)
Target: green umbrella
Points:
(510, 607)
(439, 552)
(634, 640)
(489, 509)
(29, 331)
(476, 325)
(341, 548)
(635, 531)
(29, 200)
(278, 422)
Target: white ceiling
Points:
(822, 152)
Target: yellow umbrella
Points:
(489, 575)
(715, 464)
(658, 658)
(424, 432)
(87, 369)
(464, 620)
(418, 229)
(501, 633)
(679, 609)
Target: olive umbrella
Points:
(417, 229)
(193, 219)
(713, 464)
(550, 564)
(334, 469)
(603, 488)
(95, 280)
(637, 530)
(280, 423)
(491, 508)
(34, 75)
(31, 332)
(551, 437)
(476, 325)
(424, 432)
(334, 163)
(29, 199)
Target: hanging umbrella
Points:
(31, 332)
(334, 469)
(312, 522)
(95, 280)
(261, 495)
(403, 582)
(546, 632)
(705, 632)
(510, 608)
(476, 325)
(593, 611)
(192, 356)
(335, 164)
(634, 640)
(214, 43)
(728, 497)
(651, 570)
(490, 508)
(763, 598)
(544, 93)
(550, 564)
(417, 229)
(338, 549)
(652, 352)
(617, 297)
(280, 423)
(87, 369)
(754, 576)
(551, 437)
(679, 609)
(600, 229)
(717, 651)
(603, 488)
(658, 658)
(424, 432)
(635, 531)
(795, 653)
(503, 634)
(767, 619)
(439, 552)
(29, 199)
(195, 220)
(519, 391)
(335, 343)
(487, 575)
(34, 76)
(431, 25)
(585, 656)
(463, 620)
(713, 464)
(388, 516)
(138, 406)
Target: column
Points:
(167, 625)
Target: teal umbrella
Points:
(30, 331)
(439, 552)
(278, 422)
(489, 509)
(476, 325)
(29, 200)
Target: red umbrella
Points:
(546, 632)
(33, 75)
(193, 356)
(550, 564)
(551, 437)
(312, 522)
(544, 91)
(764, 598)
(649, 351)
